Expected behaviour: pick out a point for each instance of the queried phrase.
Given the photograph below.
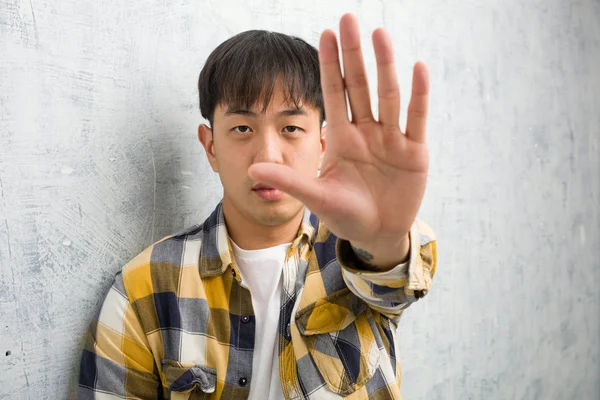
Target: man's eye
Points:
(292, 129)
(243, 128)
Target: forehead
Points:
(278, 103)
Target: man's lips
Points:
(269, 193)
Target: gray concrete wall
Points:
(99, 158)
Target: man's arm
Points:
(116, 357)
(379, 256)
(391, 290)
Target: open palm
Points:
(373, 175)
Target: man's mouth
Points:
(260, 186)
(267, 193)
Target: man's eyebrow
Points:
(283, 113)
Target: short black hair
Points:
(244, 69)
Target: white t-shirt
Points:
(261, 272)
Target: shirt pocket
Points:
(340, 340)
(189, 381)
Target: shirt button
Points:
(245, 319)
(288, 334)
(243, 381)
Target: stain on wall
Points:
(99, 158)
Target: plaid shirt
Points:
(177, 322)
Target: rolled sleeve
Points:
(392, 291)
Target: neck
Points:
(250, 234)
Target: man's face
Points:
(283, 134)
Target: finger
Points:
(332, 84)
(355, 76)
(388, 90)
(306, 189)
(417, 108)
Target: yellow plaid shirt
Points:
(177, 322)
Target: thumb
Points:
(306, 189)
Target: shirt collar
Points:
(216, 253)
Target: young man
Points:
(293, 287)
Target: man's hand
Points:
(373, 175)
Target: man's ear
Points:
(323, 141)
(205, 135)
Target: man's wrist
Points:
(380, 256)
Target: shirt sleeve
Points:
(116, 358)
(390, 292)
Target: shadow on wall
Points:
(155, 190)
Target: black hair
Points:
(244, 69)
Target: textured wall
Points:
(99, 158)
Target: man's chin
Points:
(274, 213)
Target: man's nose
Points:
(269, 147)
